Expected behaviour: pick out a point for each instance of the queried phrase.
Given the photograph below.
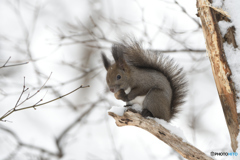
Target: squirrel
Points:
(152, 80)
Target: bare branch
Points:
(180, 50)
(5, 64)
(184, 11)
(37, 105)
(30, 146)
(59, 140)
(29, 97)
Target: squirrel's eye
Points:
(118, 77)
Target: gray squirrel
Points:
(152, 80)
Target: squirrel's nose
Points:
(112, 89)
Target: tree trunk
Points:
(220, 68)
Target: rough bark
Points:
(131, 118)
(220, 68)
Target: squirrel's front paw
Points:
(127, 105)
(120, 95)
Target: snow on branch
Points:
(131, 118)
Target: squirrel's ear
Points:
(117, 52)
(106, 61)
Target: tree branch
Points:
(22, 144)
(5, 64)
(188, 151)
(37, 105)
(180, 50)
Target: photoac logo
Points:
(224, 154)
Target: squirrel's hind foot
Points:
(146, 113)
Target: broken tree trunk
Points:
(220, 68)
(131, 118)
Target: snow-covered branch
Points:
(131, 118)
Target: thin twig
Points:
(22, 144)
(5, 64)
(62, 135)
(184, 11)
(180, 50)
(75, 79)
(29, 97)
(24, 90)
(6, 61)
(37, 105)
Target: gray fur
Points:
(156, 76)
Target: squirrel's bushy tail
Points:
(135, 55)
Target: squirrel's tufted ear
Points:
(106, 61)
(118, 52)
(115, 52)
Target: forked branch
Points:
(37, 105)
(12, 65)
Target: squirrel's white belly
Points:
(138, 100)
